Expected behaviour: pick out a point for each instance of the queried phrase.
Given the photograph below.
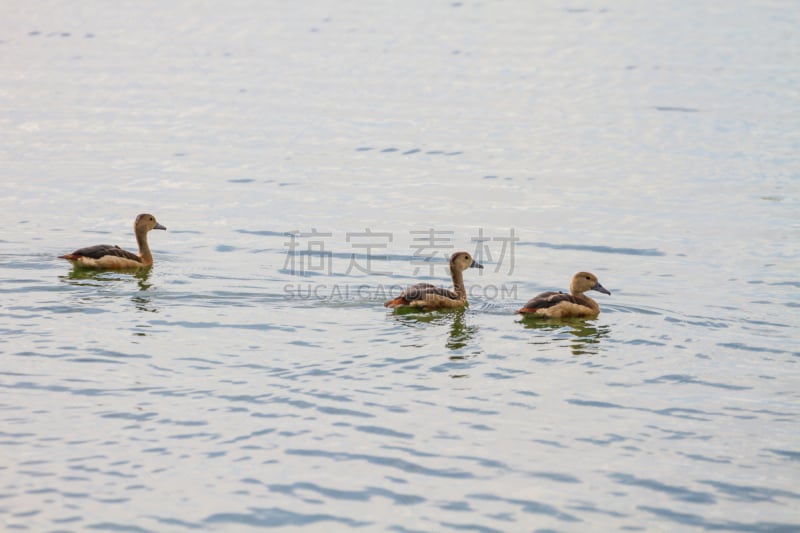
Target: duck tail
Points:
(397, 302)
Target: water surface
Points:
(306, 159)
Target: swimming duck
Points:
(427, 297)
(114, 257)
(562, 305)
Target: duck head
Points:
(586, 281)
(145, 222)
(461, 261)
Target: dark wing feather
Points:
(420, 290)
(549, 299)
(102, 250)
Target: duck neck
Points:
(144, 248)
(458, 282)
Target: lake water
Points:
(306, 157)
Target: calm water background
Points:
(237, 386)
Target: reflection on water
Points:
(90, 277)
(143, 304)
(459, 340)
(583, 335)
(460, 333)
(80, 276)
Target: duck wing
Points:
(549, 299)
(419, 292)
(102, 250)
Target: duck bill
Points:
(600, 288)
(475, 264)
(159, 226)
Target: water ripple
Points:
(789, 454)
(679, 412)
(596, 248)
(750, 493)
(689, 519)
(365, 494)
(685, 379)
(390, 462)
(529, 506)
(274, 517)
(118, 528)
(676, 492)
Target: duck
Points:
(427, 297)
(563, 305)
(107, 256)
